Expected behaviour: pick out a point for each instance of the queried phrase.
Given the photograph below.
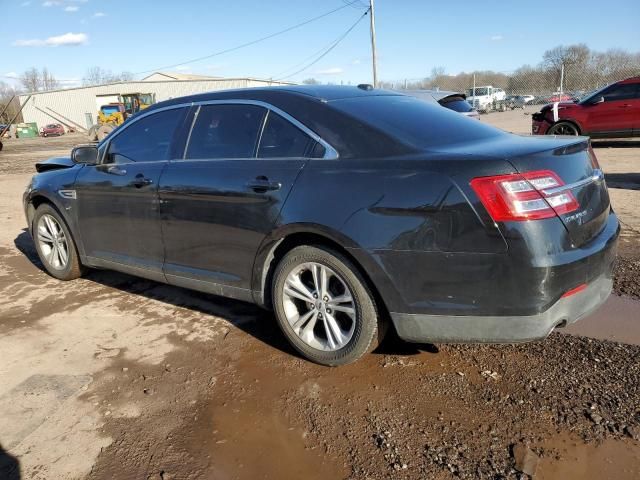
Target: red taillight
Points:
(573, 291)
(517, 197)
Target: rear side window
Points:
(225, 131)
(457, 104)
(414, 122)
(147, 140)
(281, 139)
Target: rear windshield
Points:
(457, 104)
(414, 122)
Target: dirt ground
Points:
(111, 376)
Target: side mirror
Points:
(87, 154)
(597, 100)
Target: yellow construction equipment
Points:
(114, 110)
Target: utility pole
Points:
(372, 19)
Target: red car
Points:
(52, 129)
(611, 112)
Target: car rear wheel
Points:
(563, 128)
(54, 244)
(324, 307)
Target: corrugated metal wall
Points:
(76, 103)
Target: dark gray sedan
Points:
(345, 210)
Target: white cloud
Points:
(11, 75)
(51, 3)
(68, 39)
(356, 61)
(183, 68)
(71, 8)
(330, 71)
(99, 14)
(496, 38)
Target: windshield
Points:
(591, 94)
(479, 91)
(414, 122)
(109, 109)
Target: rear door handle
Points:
(140, 181)
(263, 184)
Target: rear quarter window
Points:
(414, 122)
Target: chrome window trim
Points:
(596, 176)
(330, 153)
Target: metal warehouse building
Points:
(80, 105)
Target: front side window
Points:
(625, 91)
(147, 140)
(225, 131)
(281, 139)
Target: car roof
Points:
(323, 93)
(631, 80)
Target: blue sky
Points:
(69, 36)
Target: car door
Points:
(225, 196)
(615, 115)
(118, 211)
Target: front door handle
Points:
(263, 184)
(140, 181)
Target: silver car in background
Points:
(455, 101)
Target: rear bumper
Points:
(497, 324)
(503, 329)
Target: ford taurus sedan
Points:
(346, 210)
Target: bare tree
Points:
(99, 76)
(30, 80)
(48, 81)
(7, 93)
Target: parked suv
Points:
(610, 112)
(343, 209)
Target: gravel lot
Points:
(112, 376)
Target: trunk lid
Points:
(573, 161)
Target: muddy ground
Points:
(112, 376)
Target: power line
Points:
(357, 4)
(252, 42)
(313, 55)
(333, 45)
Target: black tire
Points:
(73, 268)
(92, 133)
(564, 128)
(369, 328)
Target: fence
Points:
(544, 85)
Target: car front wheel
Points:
(54, 244)
(324, 307)
(563, 128)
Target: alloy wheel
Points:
(319, 306)
(53, 242)
(564, 129)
